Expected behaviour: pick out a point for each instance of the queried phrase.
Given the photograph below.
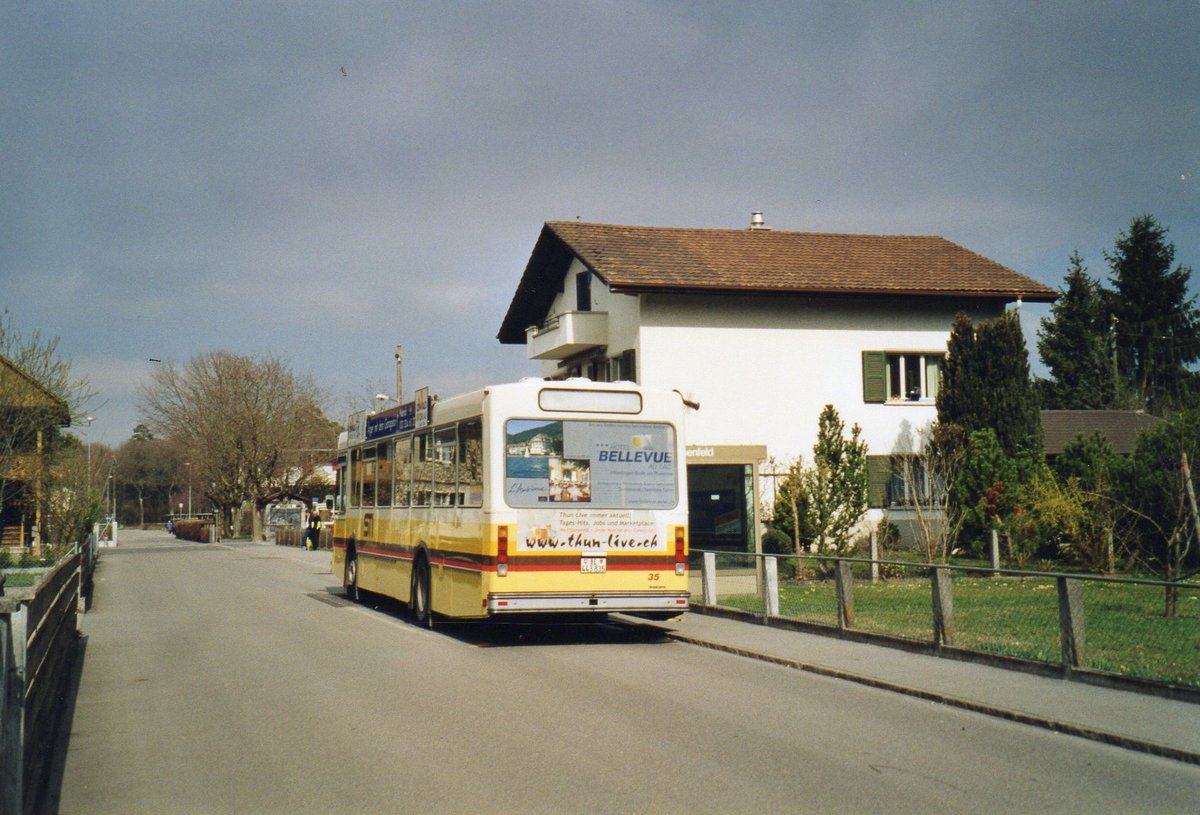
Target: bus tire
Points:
(350, 580)
(420, 602)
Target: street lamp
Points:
(89, 421)
(188, 464)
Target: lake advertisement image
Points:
(600, 464)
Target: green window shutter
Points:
(879, 477)
(874, 365)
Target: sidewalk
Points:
(1136, 721)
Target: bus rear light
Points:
(680, 551)
(502, 551)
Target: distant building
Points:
(1120, 428)
(539, 445)
(762, 328)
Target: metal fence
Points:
(294, 536)
(1075, 623)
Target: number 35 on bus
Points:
(535, 497)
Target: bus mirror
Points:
(329, 502)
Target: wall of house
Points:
(763, 368)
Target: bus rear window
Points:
(597, 464)
(580, 401)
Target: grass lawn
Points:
(15, 579)
(1125, 630)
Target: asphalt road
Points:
(234, 678)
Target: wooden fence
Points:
(37, 638)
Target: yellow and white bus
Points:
(536, 497)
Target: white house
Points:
(761, 328)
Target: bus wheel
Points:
(351, 579)
(420, 592)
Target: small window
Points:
(913, 377)
(583, 291)
(901, 376)
(621, 368)
(911, 481)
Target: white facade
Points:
(763, 368)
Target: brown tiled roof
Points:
(1119, 427)
(20, 390)
(646, 258)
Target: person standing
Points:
(312, 535)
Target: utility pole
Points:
(1116, 367)
(399, 374)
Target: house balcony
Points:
(567, 334)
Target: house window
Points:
(583, 291)
(901, 376)
(901, 481)
(622, 368)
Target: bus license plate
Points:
(593, 565)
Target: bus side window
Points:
(343, 482)
(354, 477)
(422, 469)
(383, 495)
(403, 468)
(470, 463)
(446, 445)
(368, 477)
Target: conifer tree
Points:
(958, 390)
(986, 384)
(836, 485)
(1157, 323)
(1075, 343)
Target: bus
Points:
(537, 497)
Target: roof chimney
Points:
(757, 222)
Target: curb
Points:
(1104, 737)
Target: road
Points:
(234, 678)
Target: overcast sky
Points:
(319, 181)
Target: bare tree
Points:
(927, 477)
(72, 504)
(38, 394)
(247, 426)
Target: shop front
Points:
(723, 497)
